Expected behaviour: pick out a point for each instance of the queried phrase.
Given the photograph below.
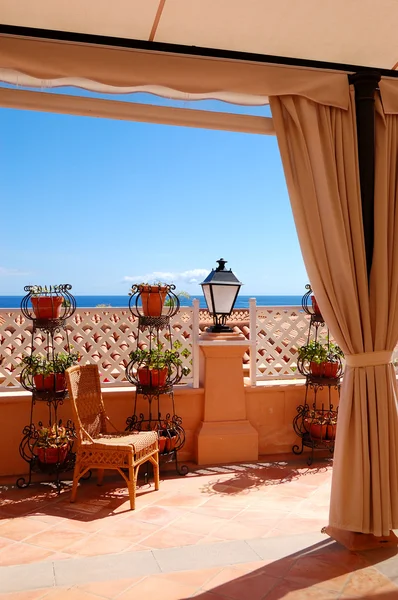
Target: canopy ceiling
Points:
(356, 32)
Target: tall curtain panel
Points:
(318, 146)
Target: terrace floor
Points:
(232, 532)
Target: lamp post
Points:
(220, 289)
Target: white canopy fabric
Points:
(357, 32)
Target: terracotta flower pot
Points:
(171, 443)
(318, 431)
(315, 306)
(53, 382)
(331, 431)
(47, 307)
(328, 370)
(152, 377)
(152, 298)
(52, 456)
(162, 443)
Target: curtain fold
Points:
(318, 146)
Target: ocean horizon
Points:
(122, 301)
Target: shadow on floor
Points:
(325, 570)
(258, 475)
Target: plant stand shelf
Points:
(155, 389)
(316, 419)
(29, 447)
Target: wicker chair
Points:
(96, 447)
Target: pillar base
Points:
(356, 541)
(225, 442)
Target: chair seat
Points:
(139, 440)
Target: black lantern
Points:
(220, 289)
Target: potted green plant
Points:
(156, 365)
(49, 373)
(316, 424)
(46, 302)
(52, 444)
(323, 359)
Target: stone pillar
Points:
(225, 435)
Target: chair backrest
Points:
(88, 408)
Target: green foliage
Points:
(180, 294)
(158, 358)
(52, 437)
(37, 364)
(319, 352)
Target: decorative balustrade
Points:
(103, 336)
(107, 336)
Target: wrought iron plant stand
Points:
(47, 323)
(155, 385)
(316, 420)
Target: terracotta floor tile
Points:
(56, 540)
(234, 530)
(27, 595)
(221, 512)
(289, 591)
(98, 544)
(20, 528)
(158, 515)
(206, 595)
(171, 538)
(181, 500)
(235, 583)
(196, 578)
(129, 530)
(4, 542)
(294, 525)
(328, 570)
(276, 568)
(197, 523)
(153, 587)
(253, 585)
(109, 589)
(19, 554)
(69, 594)
(253, 516)
(366, 582)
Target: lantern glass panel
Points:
(208, 298)
(224, 296)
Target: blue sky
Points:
(102, 203)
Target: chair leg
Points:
(132, 485)
(155, 461)
(76, 477)
(100, 476)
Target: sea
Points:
(122, 301)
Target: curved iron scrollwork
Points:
(48, 306)
(152, 303)
(310, 306)
(29, 449)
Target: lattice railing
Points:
(107, 336)
(103, 336)
(279, 332)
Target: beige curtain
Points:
(319, 154)
(81, 64)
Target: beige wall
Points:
(270, 409)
